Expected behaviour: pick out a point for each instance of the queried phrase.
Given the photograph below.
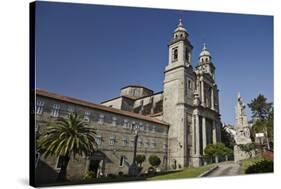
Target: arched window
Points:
(181, 35)
(176, 36)
(189, 84)
(175, 54)
(206, 59)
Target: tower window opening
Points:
(206, 59)
(175, 54)
(189, 84)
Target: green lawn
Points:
(248, 162)
(186, 173)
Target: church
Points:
(175, 124)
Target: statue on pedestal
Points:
(241, 131)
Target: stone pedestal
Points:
(240, 155)
(197, 161)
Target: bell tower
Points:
(179, 48)
(179, 86)
(205, 62)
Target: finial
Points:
(204, 46)
(238, 95)
(180, 22)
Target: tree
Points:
(67, 137)
(262, 111)
(249, 148)
(140, 159)
(216, 150)
(154, 160)
(260, 107)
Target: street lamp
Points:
(133, 169)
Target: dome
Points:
(180, 27)
(205, 51)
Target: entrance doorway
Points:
(97, 164)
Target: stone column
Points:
(204, 133)
(197, 135)
(202, 93)
(214, 132)
(212, 99)
(193, 135)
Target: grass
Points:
(186, 173)
(248, 162)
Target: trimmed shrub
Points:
(140, 159)
(154, 160)
(264, 166)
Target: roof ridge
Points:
(73, 100)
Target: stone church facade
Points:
(189, 102)
(175, 124)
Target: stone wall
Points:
(114, 138)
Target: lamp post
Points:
(133, 169)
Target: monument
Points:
(241, 131)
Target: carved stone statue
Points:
(241, 131)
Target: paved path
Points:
(226, 169)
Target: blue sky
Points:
(90, 52)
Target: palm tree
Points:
(66, 137)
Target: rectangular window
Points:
(55, 110)
(141, 127)
(147, 143)
(87, 116)
(153, 144)
(112, 140)
(101, 119)
(125, 141)
(114, 121)
(98, 140)
(39, 107)
(125, 125)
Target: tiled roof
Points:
(48, 94)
